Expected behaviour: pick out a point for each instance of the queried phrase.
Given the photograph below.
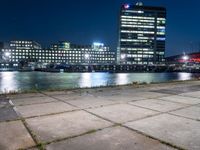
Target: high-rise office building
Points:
(141, 35)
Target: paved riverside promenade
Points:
(137, 117)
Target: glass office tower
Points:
(141, 35)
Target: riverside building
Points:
(141, 35)
(24, 52)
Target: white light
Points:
(87, 56)
(126, 6)
(98, 44)
(140, 12)
(139, 4)
(123, 56)
(185, 57)
(7, 54)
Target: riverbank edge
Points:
(134, 85)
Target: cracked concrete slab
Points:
(149, 95)
(190, 112)
(178, 131)
(121, 113)
(75, 128)
(50, 128)
(122, 98)
(117, 97)
(74, 97)
(44, 109)
(158, 105)
(33, 100)
(90, 102)
(116, 138)
(106, 92)
(13, 135)
(182, 99)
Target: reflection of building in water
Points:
(122, 78)
(8, 82)
(184, 76)
(85, 80)
(23, 52)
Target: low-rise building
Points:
(24, 52)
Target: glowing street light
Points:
(185, 58)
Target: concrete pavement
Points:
(156, 117)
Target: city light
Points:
(185, 57)
(126, 6)
(7, 54)
(87, 56)
(98, 44)
(123, 56)
(161, 39)
(134, 37)
(139, 4)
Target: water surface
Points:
(19, 81)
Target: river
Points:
(21, 81)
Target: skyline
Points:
(55, 21)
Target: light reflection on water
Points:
(185, 76)
(85, 80)
(15, 81)
(8, 82)
(122, 78)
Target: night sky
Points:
(87, 21)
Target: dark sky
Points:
(86, 21)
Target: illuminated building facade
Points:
(75, 54)
(26, 45)
(141, 35)
(63, 52)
